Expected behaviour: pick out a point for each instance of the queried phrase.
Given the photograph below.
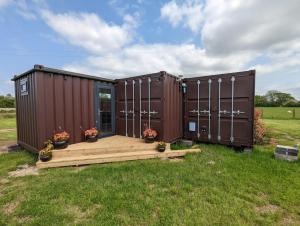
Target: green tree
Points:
(277, 98)
(261, 101)
(7, 102)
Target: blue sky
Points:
(122, 38)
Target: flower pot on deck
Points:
(60, 144)
(45, 158)
(91, 139)
(149, 139)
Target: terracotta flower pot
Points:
(91, 138)
(149, 139)
(60, 144)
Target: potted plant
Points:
(46, 153)
(161, 146)
(149, 135)
(60, 140)
(91, 135)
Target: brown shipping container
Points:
(152, 100)
(213, 109)
(50, 100)
(220, 108)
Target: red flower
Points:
(150, 133)
(91, 132)
(63, 136)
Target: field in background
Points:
(280, 112)
(8, 132)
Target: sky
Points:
(117, 38)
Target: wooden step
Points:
(103, 150)
(112, 157)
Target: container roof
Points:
(62, 72)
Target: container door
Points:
(219, 109)
(105, 109)
(139, 105)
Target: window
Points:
(24, 86)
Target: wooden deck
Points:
(109, 149)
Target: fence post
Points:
(294, 113)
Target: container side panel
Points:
(49, 105)
(59, 102)
(26, 112)
(77, 110)
(172, 105)
(68, 107)
(85, 104)
(91, 101)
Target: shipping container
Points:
(220, 108)
(50, 100)
(213, 109)
(152, 100)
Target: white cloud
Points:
(24, 10)
(4, 3)
(235, 36)
(89, 31)
(146, 58)
(189, 14)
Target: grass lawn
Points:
(287, 132)
(215, 187)
(7, 123)
(280, 112)
(8, 133)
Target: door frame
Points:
(98, 86)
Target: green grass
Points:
(7, 123)
(215, 187)
(280, 112)
(237, 188)
(286, 132)
(8, 132)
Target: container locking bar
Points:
(140, 92)
(209, 108)
(219, 114)
(232, 106)
(149, 102)
(126, 112)
(133, 114)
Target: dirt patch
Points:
(4, 181)
(79, 168)
(7, 130)
(80, 215)
(24, 170)
(23, 220)
(9, 208)
(5, 146)
(267, 209)
(287, 220)
(175, 159)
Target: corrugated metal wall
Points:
(172, 104)
(220, 108)
(64, 103)
(26, 115)
(164, 96)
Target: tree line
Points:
(274, 98)
(7, 101)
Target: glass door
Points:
(105, 110)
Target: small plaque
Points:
(192, 126)
(24, 86)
